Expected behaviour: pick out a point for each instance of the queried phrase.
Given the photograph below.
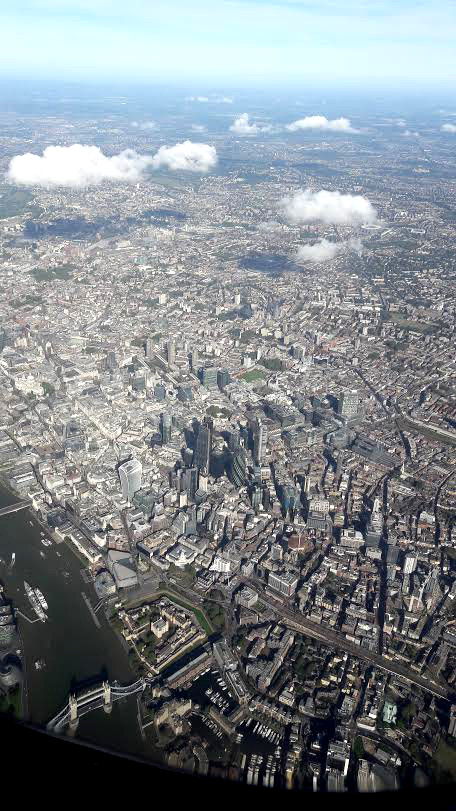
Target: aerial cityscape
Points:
(228, 376)
(229, 396)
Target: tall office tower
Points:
(238, 467)
(259, 442)
(130, 474)
(160, 393)
(111, 362)
(203, 449)
(223, 378)
(244, 436)
(233, 440)
(410, 562)
(190, 481)
(194, 359)
(171, 352)
(348, 404)
(150, 346)
(255, 497)
(165, 428)
(209, 376)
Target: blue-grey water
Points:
(73, 648)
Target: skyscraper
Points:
(130, 474)
(194, 359)
(202, 455)
(348, 404)
(233, 440)
(171, 352)
(209, 376)
(410, 562)
(111, 361)
(223, 378)
(165, 428)
(259, 442)
(238, 467)
(159, 393)
(149, 348)
(190, 481)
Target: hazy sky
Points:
(230, 41)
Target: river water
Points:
(70, 643)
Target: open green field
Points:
(50, 274)
(407, 324)
(253, 375)
(14, 202)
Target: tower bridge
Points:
(102, 695)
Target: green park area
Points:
(62, 273)
(215, 614)
(14, 202)
(253, 375)
(273, 364)
(407, 324)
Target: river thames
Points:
(74, 649)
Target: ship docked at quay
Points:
(37, 601)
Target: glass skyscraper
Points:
(130, 478)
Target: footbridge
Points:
(103, 695)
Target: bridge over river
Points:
(14, 508)
(101, 696)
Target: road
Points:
(436, 502)
(328, 635)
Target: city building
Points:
(286, 583)
(130, 474)
(259, 442)
(203, 449)
(348, 404)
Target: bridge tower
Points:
(74, 718)
(107, 698)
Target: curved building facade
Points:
(130, 474)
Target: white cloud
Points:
(324, 250)
(330, 207)
(401, 123)
(410, 134)
(144, 125)
(242, 126)
(197, 98)
(320, 122)
(75, 166)
(448, 128)
(215, 99)
(187, 157)
(270, 226)
(198, 128)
